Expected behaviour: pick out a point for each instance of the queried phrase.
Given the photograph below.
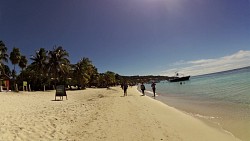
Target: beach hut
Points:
(4, 82)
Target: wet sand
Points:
(231, 117)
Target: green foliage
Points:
(38, 69)
(110, 78)
(53, 67)
(3, 56)
(15, 56)
(7, 70)
(58, 64)
(36, 80)
(40, 61)
(85, 73)
(23, 62)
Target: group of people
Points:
(143, 88)
(125, 87)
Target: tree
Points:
(110, 78)
(85, 73)
(102, 81)
(15, 57)
(3, 56)
(7, 70)
(58, 64)
(40, 62)
(90, 71)
(94, 77)
(39, 65)
(78, 74)
(23, 62)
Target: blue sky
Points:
(134, 37)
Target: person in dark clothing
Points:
(153, 88)
(143, 89)
(125, 87)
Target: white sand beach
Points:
(96, 115)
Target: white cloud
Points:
(205, 66)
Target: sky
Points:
(134, 37)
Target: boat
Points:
(178, 79)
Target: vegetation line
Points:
(53, 67)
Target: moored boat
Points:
(178, 79)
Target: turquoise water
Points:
(222, 98)
(232, 86)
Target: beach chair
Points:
(60, 91)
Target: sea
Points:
(220, 99)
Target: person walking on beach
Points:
(143, 89)
(153, 87)
(125, 87)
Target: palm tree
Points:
(110, 78)
(58, 63)
(23, 62)
(85, 73)
(78, 74)
(39, 63)
(3, 56)
(90, 70)
(94, 77)
(15, 57)
(102, 81)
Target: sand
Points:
(96, 115)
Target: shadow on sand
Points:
(57, 100)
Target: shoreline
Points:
(217, 114)
(98, 114)
(206, 119)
